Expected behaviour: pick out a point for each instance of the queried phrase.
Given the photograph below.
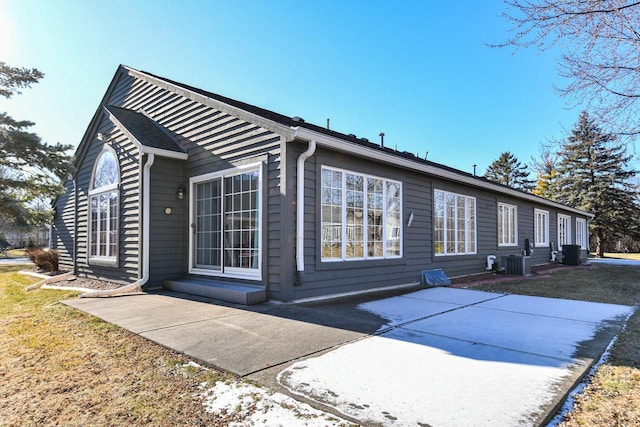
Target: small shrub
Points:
(46, 260)
(31, 253)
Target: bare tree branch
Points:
(600, 45)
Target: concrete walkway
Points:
(15, 261)
(438, 356)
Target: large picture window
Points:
(103, 207)
(454, 224)
(226, 219)
(582, 236)
(360, 216)
(541, 227)
(564, 230)
(507, 225)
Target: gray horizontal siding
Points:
(168, 241)
(324, 278)
(215, 141)
(127, 269)
(63, 227)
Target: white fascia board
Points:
(164, 153)
(143, 148)
(359, 150)
(214, 103)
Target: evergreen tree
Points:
(507, 170)
(546, 169)
(30, 170)
(595, 177)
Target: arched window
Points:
(103, 202)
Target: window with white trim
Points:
(564, 230)
(454, 223)
(507, 225)
(103, 207)
(541, 227)
(582, 236)
(360, 216)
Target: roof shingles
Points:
(145, 130)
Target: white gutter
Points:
(134, 287)
(361, 151)
(51, 279)
(311, 149)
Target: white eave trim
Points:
(144, 149)
(163, 153)
(359, 150)
(214, 103)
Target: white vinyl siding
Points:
(507, 225)
(360, 216)
(564, 230)
(582, 236)
(541, 228)
(454, 224)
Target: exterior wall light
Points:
(181, 192)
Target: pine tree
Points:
(30, 170)
(507, 170)
(546, 169)
(595, 177)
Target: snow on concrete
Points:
(412, 306)
(614, 261)
(430, 381)
(257, 406)
(481, 364)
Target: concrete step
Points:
(225, 291)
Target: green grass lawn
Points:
(613, 396)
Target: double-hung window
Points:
(564, 230)
(582, 236)
(360, 216)
(541, 227)
(454, 223)
(507, 225)
(103, 208)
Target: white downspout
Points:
(146, 185)
(311, 149)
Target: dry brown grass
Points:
(613, 396)
(62, 367)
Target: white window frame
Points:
(467, 219)
(226, 271)
(388, 234)
(541, 217)
(95, 193)
(564, 230)
(510, 214)
(582, 235)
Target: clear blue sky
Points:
(417, 70)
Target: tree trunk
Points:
(599, 244)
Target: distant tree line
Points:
(589, 170)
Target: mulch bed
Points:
(79, 282)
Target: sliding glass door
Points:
(226, 223)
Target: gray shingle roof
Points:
(145, 130)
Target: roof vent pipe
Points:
(382, 139)
(328, 123)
